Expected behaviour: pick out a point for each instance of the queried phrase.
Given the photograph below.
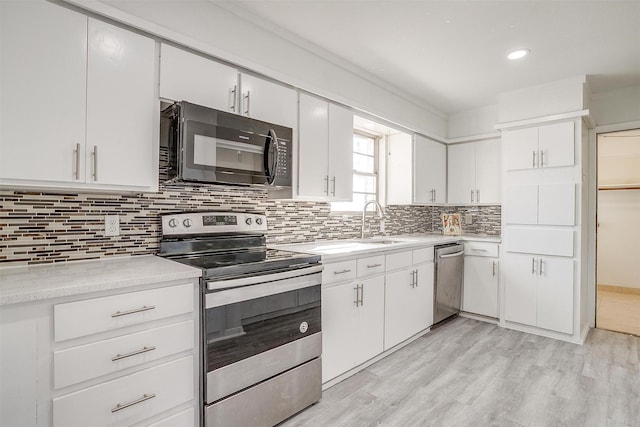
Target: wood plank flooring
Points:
(618, 309)
(470, 373)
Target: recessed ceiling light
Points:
(517, 54)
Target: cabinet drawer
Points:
(338, 271)
(128, 400)
(399, 260)
(540, 241)
(481, 249)
(84, 362)
(370, 265)
(77, 319)
(423, 255)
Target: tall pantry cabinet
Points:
(542, 238)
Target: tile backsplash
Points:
(54, 227)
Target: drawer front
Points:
(338, 271)
(89, 361)
(186, 418)
(371, 265)
(481, 249)
(128, 400)
(423, 255)
(77, 319)
(399, 260)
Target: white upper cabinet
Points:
(43, 49)
(267, 101)
(399, 169)
(474, 173)
(185, 76)
(430, 171)
(544, 204)
(325, 161)
(540, 147)
(78, 102)
(121, 109)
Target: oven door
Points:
(257, 331)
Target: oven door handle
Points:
(252, 280)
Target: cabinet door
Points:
(340, 153)
(557, 204)
(480, 294)
(399, 293)
(43, 50)
(430, 171)
(121, 108)
(556, 145)
(313, 154)
(555, 294)
(521, 204)
(461, 174)
(488, 171)
(520, 283)
(339, 339)
(185, 76)
(520, 148)
(399, 169)
(425, 296)
(271, 102)
(368, 341)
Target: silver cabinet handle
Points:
(247, 98)
(135, 310)
(471, 196)
(541, 158)
(326, 185)
(539, 266)
(121, 406)
(342, 271)
(479, 250)
(232, 94)
(494, 268)
(477, 196)
(452, 255)
(144, 349)
(413, 279)
(95, 163)
(361, 295)
(333, 186)
(416, 278)
(373, 265)
(356, 299)
(77, 153)
(533, 163)
(533, 266)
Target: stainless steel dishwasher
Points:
(448, 284)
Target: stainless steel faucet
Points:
(364, 212)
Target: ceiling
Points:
(451, 55)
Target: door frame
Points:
(592, 177)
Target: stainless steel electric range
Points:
(260, 321)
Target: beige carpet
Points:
(618, 310)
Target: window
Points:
(365, 173)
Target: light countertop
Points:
(38, 282)
(337, 249)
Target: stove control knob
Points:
(187, 223)
(259, 221)
(248, 221)
(173, 223)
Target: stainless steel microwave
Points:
(207, 145)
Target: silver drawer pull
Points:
(479, 250)
(121, 406)
(135, 310)
(373, 265)
(133, 353)
(342, 272)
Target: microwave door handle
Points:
(270, 169)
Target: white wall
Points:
(479, 121)
(214, 30)
(617, 106)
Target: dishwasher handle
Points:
(452, 255)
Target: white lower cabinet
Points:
(539, 291)
(352, 322)
(481, 272)
(408, 303)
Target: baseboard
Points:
(479, 317)
(619, 289)
(575, 338)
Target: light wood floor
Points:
(618, 311)
(470, 373)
